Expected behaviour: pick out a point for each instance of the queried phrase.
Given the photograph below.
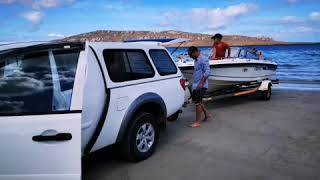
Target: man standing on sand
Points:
(200, 84)
(219, 48)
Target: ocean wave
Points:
(289, 65)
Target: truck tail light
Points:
(183, 84)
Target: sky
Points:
(283, 20)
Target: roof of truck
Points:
(37, 44)
(141, 43)
(17, 48)
(55, 44)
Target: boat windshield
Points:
(250, 53)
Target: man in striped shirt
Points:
(200, 84)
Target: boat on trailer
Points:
(243, 67)
(230, 72)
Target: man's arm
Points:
(206, 69)
(213, 53)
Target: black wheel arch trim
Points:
(139, 102)
(103, 116)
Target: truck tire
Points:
(266, 95)
(141, 138)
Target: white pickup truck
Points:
(60, 101)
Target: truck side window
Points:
(36, 82)
(163, 62)
(126, 65)
(66, 61)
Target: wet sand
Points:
(247, 139)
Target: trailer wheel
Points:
(266, 95)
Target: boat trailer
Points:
(264, 87)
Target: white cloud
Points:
(291, 1)
(55, 35)
(45, 4)
(212, 18)
(218, 18)
(50, 3)
(306, 29)
(7, 1)
(290, 19)
(39, 3)
(170, 17)
(35, 12)
(112, 7)
(33, 16)
(315, 15)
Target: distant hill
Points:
(197, 38)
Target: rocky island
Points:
(197, 38)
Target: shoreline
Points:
(297, 86)
(304, 81)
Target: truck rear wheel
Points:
(141, 138)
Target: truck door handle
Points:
(57, 137)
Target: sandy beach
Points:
(247, 139)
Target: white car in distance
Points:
(60, 101)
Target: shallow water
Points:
(295, 62)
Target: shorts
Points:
(197, 95)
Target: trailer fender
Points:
(264, 86)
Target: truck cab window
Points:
(36, 82)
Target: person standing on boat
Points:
(257, 53)
(219, 48)
(200, 84)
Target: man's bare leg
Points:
(197, 122)
(199, 110)
(207, 114)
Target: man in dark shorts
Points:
(200, 84)
(219, 47)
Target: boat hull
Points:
(225, 74)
